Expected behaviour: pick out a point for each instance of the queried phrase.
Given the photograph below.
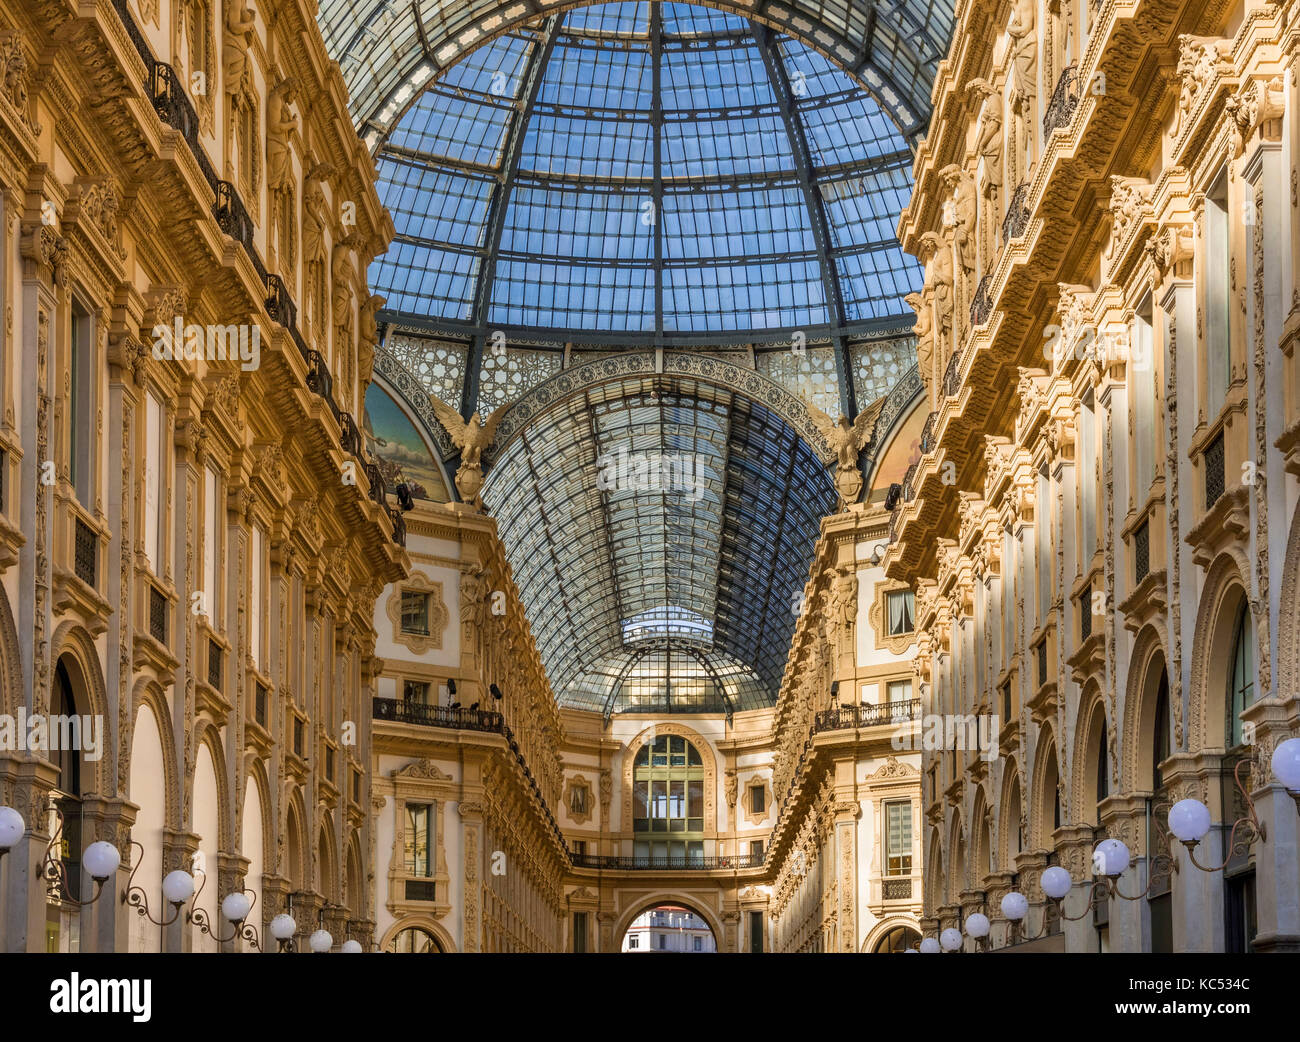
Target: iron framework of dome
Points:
(614, 178)
(651, 173)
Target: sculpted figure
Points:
(964, 216)
(847, 438)
(471, 436)
(237, 37)
(924, 332)
(939, 280)
(280, 125)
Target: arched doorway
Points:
(669, 927)
(415, 940)
(897, 939)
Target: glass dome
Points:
(664, 172)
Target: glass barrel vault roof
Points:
(653, 169)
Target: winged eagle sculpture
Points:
(472, 437)
(847, 438)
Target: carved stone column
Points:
(1124, 818)
(104, 924)
(1198, 896)
(846, 840)
(178, 853)
(1277, 860)
(999, 885)
(471, 817)
(1029, 867)
(25, 784)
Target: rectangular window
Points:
(899, 691)
(1218, 295)
(415, 612)
(634, 942)
(578, 799)
(419, 846)
(901, 609)
(81, 413)
(257, 642)
(756, 933)
(663, 942)
(1087, 481)
(580, 848)
(580, 933)
(756, 849)
(153, 464)
(757, 800)
(1043, 530)
(415, 692)
(898, 838)
(641, 806)
(1142, 364)
(211, 544)
(697, 944)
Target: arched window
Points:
(416, 941)
(64, 752)
(1160, 739)
(899, 939)
(1241, 677)
(1103, 760)
(668, 800)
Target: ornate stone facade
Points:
(1101, 529)
(184, 532)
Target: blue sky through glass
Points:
(593, 237)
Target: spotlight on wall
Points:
(177, 888)
(495, 692)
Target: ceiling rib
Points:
(816, 214)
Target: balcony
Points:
(174, 108)
(952, 376)
(437, 716)
(674, 864)
(982, 306)
(1017, 218)
(1065, 99)
(403, 712)
(842, 717)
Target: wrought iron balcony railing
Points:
(403, 712)
(173, 106)
(1065, 99)
(982, 306)
(1017, 218)
(927, 433)
(700, 864)
(952, 375)
(842, 717)
(909, 484)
